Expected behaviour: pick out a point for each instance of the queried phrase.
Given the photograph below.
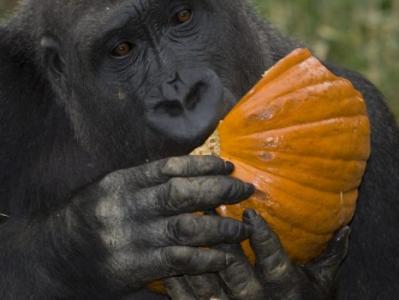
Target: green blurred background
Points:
(359, 34)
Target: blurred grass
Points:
(362, 35)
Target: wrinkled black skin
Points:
(70, 115)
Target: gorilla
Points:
(100, 103)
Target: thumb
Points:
(326, 266)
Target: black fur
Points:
(60, 134)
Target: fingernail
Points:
(250, 214)
(229, 166)
(250, 189)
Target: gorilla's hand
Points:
(144, 217)
(274, 276)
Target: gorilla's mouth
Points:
(188, 107)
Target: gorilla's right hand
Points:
(143, 216)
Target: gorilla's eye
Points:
(184, 16)
(122, 50)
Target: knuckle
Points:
(275, 267)
(179, 188)
(246, 289)
(230, 227)
(177, 256)
(190, 190)
(182, 229)
(174, 166)
(278, 272)
(178, 192)
(265, 236)
(109, 209)
(214, 183)
(208, 162)
(112, 182)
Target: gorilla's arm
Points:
(50, 258)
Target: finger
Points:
(327, 265)
(181, 195)
(195, 230)
(233, 249)
(178, 288)
(175, 261)
(271, 260)
(206, 287)
(154, 264)
(239, 277)
(186, 166)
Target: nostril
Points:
(171, 107)
(173, 77)
(193, 97)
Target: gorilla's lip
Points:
(229, 101)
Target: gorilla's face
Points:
(149, 79)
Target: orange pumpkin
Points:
(302, 137)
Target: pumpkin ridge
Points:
(344, 159)
(269, 214)
(250, 152)
(248, 167)
(307, 183)
(305, 124)
(300, 55)
(345, 205)
(316, 187)
(280, 150)
(356, 170)
(298, 227)
(273, 88)
(300, 182)
(283, 97)
(287, 92)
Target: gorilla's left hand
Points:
(274, 275)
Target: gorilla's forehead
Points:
(105, 17)
(110, 16)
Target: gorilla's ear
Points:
(52, 57)
(22, 76)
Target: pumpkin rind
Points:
(302, 137)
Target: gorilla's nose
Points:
(178, 95)
(187, 106)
